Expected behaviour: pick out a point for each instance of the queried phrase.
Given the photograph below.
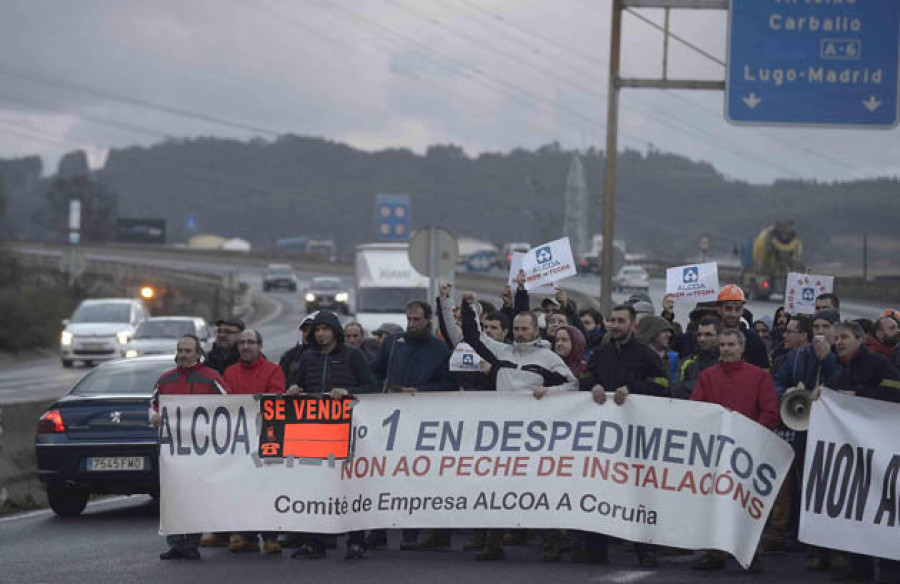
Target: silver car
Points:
(100, 330)
(158, 335)
(632, 278)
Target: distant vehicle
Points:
(776, 251)
(632, 278)
(592, 260)
(385, 283)
(279, 276)
(100, 329)
(322, 249)
(96, 438)
(590, 264)
(158, 335)
(291, 246)
(506, 255)
(327, 292)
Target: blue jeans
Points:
(183, 541)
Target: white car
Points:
(100, 330)
(632, 278)
(279, 276)
(158, 335)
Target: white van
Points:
(385, 283)
(100, 330)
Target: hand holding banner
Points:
(668, 472)
(515, 265)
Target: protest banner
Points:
(698, 282)
(800, 291)
(851, 500)
(548, 263)
(464, 358)
(515, 265)
(669, 472)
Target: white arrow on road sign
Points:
(872, 104)
(752, 100)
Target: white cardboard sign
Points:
(800, 292)
(699, 282)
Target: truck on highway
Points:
(766, 261)
(385, 283)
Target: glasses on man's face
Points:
(248, 342)
(224, 331)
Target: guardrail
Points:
(222, 293)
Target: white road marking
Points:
(47, 512)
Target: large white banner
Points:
(850, 493)
(698, 282)
(657, 470)
(548, 263)
(800, 292)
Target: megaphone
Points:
(794, 408)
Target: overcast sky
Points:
(488, 75)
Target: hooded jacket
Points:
(344, 367)
(742, 387)
(520, 366)
(258, 376)
(575, 358)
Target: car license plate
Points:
(103, 463)
(93, 346)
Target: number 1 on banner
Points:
(392, 433)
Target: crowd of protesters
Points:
(723, 355)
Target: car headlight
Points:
(123, 337)
(66, 338)
(310, 297)
(341, 297)
(130, 353)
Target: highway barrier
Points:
(19, 484)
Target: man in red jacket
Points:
(745, 389)
(189, 377)
(254, 374)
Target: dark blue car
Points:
(97, 438)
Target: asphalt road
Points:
(116, 540)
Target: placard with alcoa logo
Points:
(801, 290)
(464, 358)
(548, 263)
(696, 281)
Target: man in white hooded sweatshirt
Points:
(529, 364)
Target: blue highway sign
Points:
(392, 217)
(813, 62)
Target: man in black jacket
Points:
(623, 366)
(331, 367)
(224, 353)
